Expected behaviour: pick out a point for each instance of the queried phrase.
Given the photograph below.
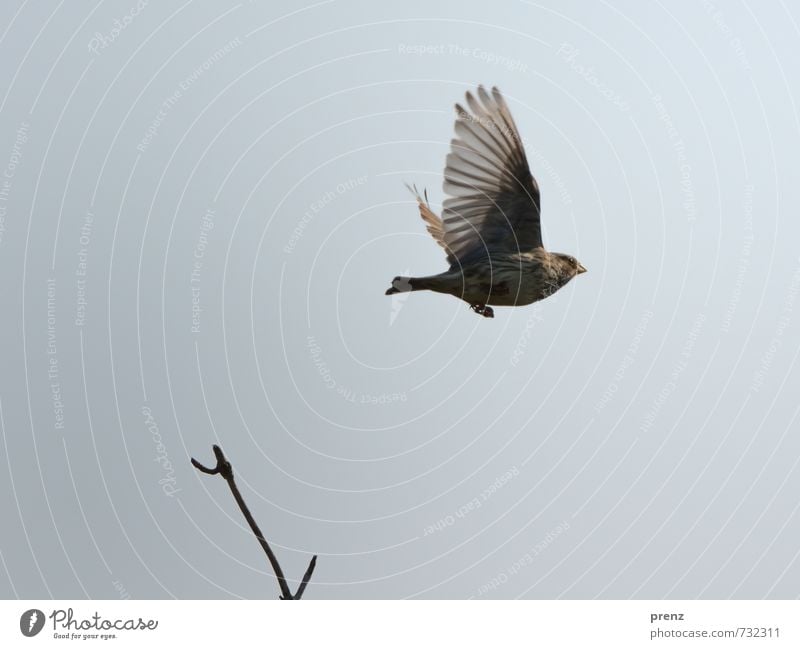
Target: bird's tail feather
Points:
(430, 283)
(401, 285)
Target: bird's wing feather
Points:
(492, 202)
(433, 223)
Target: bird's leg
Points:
(482, 309)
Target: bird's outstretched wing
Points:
(433, 223)
(492, 202)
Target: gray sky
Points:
(202, 206)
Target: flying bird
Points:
(490, 226)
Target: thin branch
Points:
(302, 587)
(225, 469)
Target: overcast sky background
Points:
(201, 212)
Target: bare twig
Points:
(225, 469)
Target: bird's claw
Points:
(482, 309)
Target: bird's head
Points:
(569, 266)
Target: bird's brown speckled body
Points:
(503, 280)
(490, 225)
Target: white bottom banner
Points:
(388, 624)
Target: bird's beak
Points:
(581, 269)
